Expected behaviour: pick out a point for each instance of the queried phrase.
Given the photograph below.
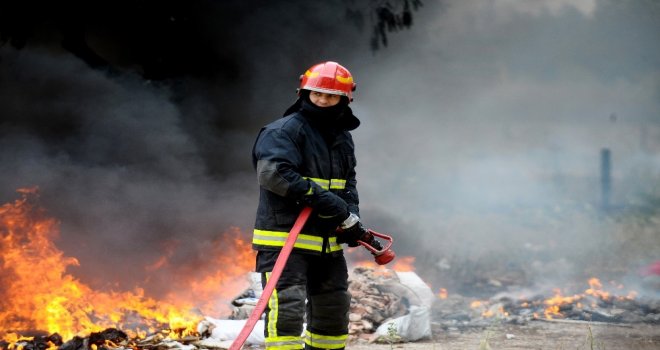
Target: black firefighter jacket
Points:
(301, 161)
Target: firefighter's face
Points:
(324, 100)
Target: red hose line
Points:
(272, 281)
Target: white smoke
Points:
(483, 129)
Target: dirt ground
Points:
(536, 335)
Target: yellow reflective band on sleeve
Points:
(332, 184)
(309, 242)
(325, 341)
(284, 343)
(323, 183)
(337, 184)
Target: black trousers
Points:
(311, 285)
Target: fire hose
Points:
(382, 255)
(272, 281)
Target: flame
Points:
(596, 289)
(488, 310)
(555, 303)
(230, 258)
(36, 293)
(554, 306)
(400, 264)
(404, 264)
(442, 293)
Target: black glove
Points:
(350, 235)
(326, 205)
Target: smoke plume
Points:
(482, 128)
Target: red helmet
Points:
(330, 78)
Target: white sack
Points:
(413, 326)
(416, 324)
(222, 330)
(412, 281)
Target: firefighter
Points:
(307, 158)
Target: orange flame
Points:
(555, 305)
(400, 264)
(36, 293)
(488, 311)
(556, 301)
(230, 258)
(404, 264)
(595, 290)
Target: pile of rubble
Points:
(378, 296)
(373, 301)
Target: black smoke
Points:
(136, 119)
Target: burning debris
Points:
(39, 342)
(67, 308)
(593, 305)
(387, 304)
(63, 304)
(110, 338)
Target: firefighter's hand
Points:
(351, 231)
(327, 205)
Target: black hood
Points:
(339, 117)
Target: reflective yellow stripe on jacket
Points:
(309, 242)
(332, 184)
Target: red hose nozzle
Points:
(382, 255)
